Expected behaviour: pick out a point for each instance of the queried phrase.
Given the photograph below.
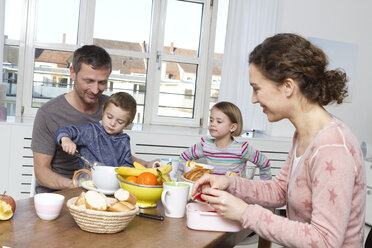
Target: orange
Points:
(147, 178)
(132, 179)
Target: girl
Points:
(223, 151)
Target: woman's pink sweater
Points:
(325, 195)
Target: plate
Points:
(183, 179)
(86, 185)
(192, 164)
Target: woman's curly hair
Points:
(288, 55)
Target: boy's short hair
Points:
(124, 101)
(233, 112)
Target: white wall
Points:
(339, 20)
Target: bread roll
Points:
(129, 205)
(95, 200)
(196, 173)
(124, 195)
(80, 200)
(195, 176)
(119, 207)
(187, 175)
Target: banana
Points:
(138, 165)
(163, 177)
(129, 171)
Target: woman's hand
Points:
(226, 204)
(68, 146)
(210, 181)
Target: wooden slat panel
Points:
(276, 156)
(27, 152)
(27, 169)
(26, 141)
(159, 150)
(277, 164)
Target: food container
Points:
(100, 221)
(189, 165)
(147, 195)
(201, 216)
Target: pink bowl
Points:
(48, 206)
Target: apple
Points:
(7, 206)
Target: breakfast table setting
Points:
(133, 217)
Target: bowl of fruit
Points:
(145, 183)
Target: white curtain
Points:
(249, 23)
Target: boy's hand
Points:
(68, 146)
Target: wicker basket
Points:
(100, 221)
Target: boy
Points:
(103, 141)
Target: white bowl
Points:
(105, 178)
(189, 165)
(48, 206)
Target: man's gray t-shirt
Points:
(52, 115)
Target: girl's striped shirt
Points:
(231, 158)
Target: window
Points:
(10, 52)
(160, 51)
(218, 50)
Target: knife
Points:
(151, 216)
(151, 213)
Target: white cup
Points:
(104, 177)
(174, 198)
(250, 171)
(48, 206)
(173, 162)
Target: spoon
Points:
(89, 163)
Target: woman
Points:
(323, 180)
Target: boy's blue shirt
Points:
(95, 144)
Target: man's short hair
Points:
(92, 55)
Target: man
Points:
(90, 70)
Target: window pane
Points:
(127, 21)
(9, 77)
(12, 19)
(129, 74)
(51, 75)
(183, 28)
(177, 90)
(57, 21)
(215, 85)
(222, 13)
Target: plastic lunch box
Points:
(201, 216)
